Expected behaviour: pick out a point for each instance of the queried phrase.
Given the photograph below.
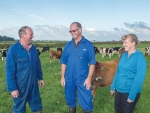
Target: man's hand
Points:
(87, 83)
(62, 81)
(41, 83)
(15, 94)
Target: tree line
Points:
(6, 45)
(5, 38)
(38, 45)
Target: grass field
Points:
(53, 93)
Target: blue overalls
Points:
(23, 69)
(77, 61)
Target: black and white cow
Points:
(105, 51)
(115, 50)
(45, 49)
(59, 49)
(4, 54)
(147, 50)
(96, 49)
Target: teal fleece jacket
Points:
(130, 74)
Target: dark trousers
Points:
(121, 104)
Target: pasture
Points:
(52, 94)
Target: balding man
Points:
(23, 70)
(78, 63)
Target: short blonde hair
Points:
(133, 38)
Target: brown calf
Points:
(104, 74)
(55, 54)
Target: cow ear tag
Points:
(102, 68)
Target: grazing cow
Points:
(147, 50)
(55, 54)
(4, 53)
(105, 51)
(45, 49)
(115, 50)
(96, 49)
(38, 52)
(59, 49)
(104, 74)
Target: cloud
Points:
(34, 16)
(116, 29)
(9, 31)
(90, 29)
(140, 25)
(60, 32)
(2, 28)
(47, 32)
(141, 29)
(15, 10)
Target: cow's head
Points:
(96, 78)
(104, 73)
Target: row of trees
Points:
(52, 45)
(6, 45)
(5, 38)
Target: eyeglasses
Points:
(73, 30)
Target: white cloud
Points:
(46, 32)
(1, 28)
(60, 32)
(10, 32)
(90, 29)
(141, 29)
(34, 16)
(15, 10)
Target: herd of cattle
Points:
(104, 71)
(57, 54)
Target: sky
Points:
(101, 20)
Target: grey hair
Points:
(22, 30)
(133, 38)
(78, 24)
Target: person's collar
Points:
(82, 40)
(29, 46)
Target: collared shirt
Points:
(24, 45)
(76, 45)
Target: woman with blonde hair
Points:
(129, 77)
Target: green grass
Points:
(53, 96)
